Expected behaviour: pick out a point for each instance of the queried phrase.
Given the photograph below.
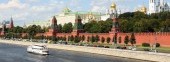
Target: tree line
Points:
(129, 22)
(140, 22)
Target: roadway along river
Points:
(16, 53)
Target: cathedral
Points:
(156, 6)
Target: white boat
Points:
(38, 49)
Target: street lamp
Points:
(155, 42)
(114, 40)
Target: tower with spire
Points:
(11, 23)
(53, 28)
(78, 26)
(115, 26)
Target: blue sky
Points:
(25, 11)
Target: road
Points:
(16, 53)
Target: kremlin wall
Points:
(153, 37)
(163, 38)
(159, 37)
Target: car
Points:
(38, 49)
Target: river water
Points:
(16, 53)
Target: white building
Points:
(156, 6)
(67, 16)
(110, 12)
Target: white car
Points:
(38, 49)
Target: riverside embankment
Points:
(151, 56)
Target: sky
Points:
(26, 11)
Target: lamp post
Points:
(155, 50)
(115, 41)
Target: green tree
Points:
(103, 39)
(88, 39)
(108, 39)
(67, 28)
(72, 38)
(132, 39)
(32, 31)
(126, 41)
(97, 38)
(115, 39)
(92, 39)
(59, 28)
(95, 28)
(76, 39)
(83, 38)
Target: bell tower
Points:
(115, 26)
(152, 6)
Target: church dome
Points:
(113, 6)
(143, 9)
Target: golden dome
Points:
(113, 6)
(143, 9)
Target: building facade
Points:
(156, 6)
(67, 16)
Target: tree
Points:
(72, 38)
(88, 39)
(95, 28)
(115, 38)
(67, 28)
(59, 28)
(97, 38)
(92, 39)
(108, 39)
(32, 30)
(103, 39)
(83, 38)
(76, 39)
(132, 39)
(165, 25)
(126, 41)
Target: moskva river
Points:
(16, 53)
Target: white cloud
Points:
(34, 0)
(29, 10)
(103, 5)
(12, 4)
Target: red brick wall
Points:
(162, 38)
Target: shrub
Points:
(157, 45)
(145, 44)
(106, 47)
(103, 39)
(108, 39)
(146, 49)
(76, 39)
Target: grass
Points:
(159, 49)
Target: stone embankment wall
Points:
(151, 56)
